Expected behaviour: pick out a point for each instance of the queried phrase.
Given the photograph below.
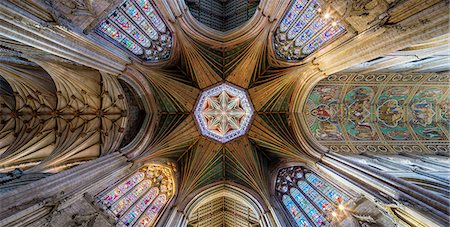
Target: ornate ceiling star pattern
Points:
(223, 112)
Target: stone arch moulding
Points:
(179, 215)
(298, 123)
(203, 33)
(140, 84)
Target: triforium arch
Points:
(228, 201)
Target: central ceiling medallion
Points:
(223, 112)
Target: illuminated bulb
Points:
(327, 15)
(319, 10)
(341, 207)
(334, 23)
(333, 214)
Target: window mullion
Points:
(298, 15)
(323, 194)
(138, 27)
(149, 21)
(311, 201)
(300, 208)
(137, 201)
(115, 24)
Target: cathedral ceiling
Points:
(380, 111)
(222, 15)
(223, 211)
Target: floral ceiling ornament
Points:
(223, 112)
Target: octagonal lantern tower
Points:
(223, 112)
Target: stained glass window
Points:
(305, 28)
(137, 27)
(309, 199)
(139, 199)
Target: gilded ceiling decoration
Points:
(223, 112)
(137, 27)
(305, 28)
(380, 112)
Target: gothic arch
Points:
(245, 196)
(142, 196)
(348, 198)
(153, 45)
(139, 84)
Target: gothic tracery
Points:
(224, 112)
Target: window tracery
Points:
(305, 28)
(139, 199)
(137, 27)
(309, 199)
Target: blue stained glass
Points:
(151, 13)
(137, 26)
(292, 14)
(309, 13)
(309, 209)
(317, 25)
(318, 199)
(328, 34)
(295, 212)
(330, 191)
(304, 30)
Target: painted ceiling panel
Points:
(385, 113)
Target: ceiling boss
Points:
(223, 112)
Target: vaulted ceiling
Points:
(201, 58)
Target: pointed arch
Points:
(137, 27)
(140, 198)
(246, 197)
(307, 199)
(306, 27)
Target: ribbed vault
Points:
(223, 211)
(74, 113)
(222, 15)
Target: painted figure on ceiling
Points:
(390, 112)
(358, 115)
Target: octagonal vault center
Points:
(223, 112)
